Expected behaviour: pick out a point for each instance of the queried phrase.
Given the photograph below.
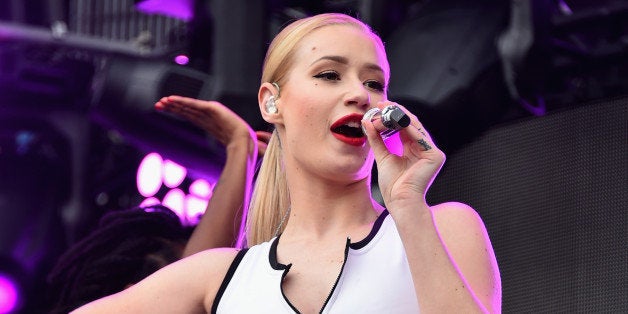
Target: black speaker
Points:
(552, 191)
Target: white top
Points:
(375, 278)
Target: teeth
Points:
(353, 124)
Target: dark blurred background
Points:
(528, 98)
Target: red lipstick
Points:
(348, 129)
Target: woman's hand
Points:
(211, 116)
(404, 179)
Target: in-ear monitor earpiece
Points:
(271, 107)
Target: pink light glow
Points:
(394, 144)
(154, 171)
(174, 174)
(180, 9)
(201, 188)
(149, 175)
(8, 294)
(149, 202)
(195, 206)
(175, 200)
(181, 59)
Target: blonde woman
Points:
(317, 240)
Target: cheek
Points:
(308, 123)
(310, 114)
(303, 122)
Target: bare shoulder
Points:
(465, 236)
(206, 264)
(215, 257)
(454, 214)
(461, 229)
(186, 286)
(214, 265)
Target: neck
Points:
(320, 208)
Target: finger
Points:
(423, 137)
(375, 140)
(179, 102)
(169, 104)
(191, 109)
(161, 104)
(198, 104)
(416, 132)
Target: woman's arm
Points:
(220, 225)
(451, 259)
(464, 235)
(186, 286)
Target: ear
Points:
(264, 94)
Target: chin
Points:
(352, 168)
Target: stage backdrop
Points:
(553, 194)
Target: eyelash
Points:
(377, 85)
(326, 75)
(334, 76)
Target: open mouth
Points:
(351, 129)
(348, 129)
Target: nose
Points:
(358, 95)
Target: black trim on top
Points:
(272, 259)
(285, 272)
(225, 282)
(378, 224)
(272, 256)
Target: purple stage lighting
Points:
(175, 200)
(201, 188)
(181, 59)
(149, 175)
(147, 203)
(154, 173)
(194, 208)
(180, 9)
(9, 294)
(174, 173)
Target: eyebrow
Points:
(343, 60)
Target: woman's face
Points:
(339, 73)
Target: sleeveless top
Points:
(375, 278)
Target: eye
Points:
(375, 85)
(328, 76)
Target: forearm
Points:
(220, 225)
(440, 286)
